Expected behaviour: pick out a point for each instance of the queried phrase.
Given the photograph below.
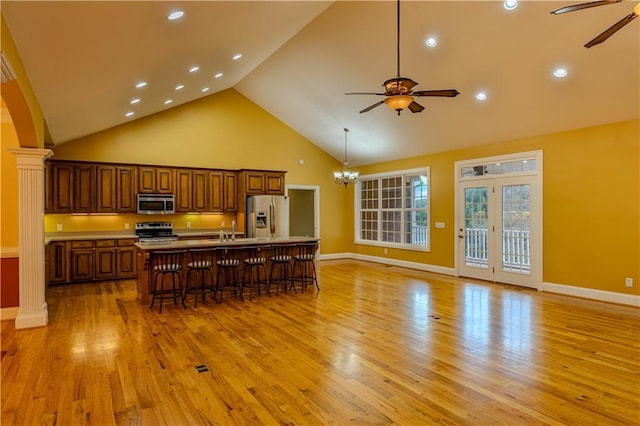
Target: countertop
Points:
(189, 244)
(107, 235)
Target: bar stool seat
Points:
(200, 263)
(282, 267)
(254, 263)
(229, 260)
(305, 261)
(163, 264)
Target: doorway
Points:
(499, 219)
(304, 209)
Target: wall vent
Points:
(7, 70)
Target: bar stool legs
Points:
(304, 260)
(254, 263)
(228, 275)
(200, 264)
(281, 265)
(165, 263)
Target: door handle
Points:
(460, 236)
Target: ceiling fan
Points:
(398, 91)
(613, 29)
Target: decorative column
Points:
(32, 311)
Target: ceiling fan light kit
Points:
(609, 31)
(398, 91)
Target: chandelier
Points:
(345, 177)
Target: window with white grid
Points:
(393, 209)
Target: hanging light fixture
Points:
(345, 177)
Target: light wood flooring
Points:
(377, 345)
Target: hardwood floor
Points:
(377, 345)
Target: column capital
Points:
(29, 158)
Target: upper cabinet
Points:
(126, 188)
(60, 189)
(223, 191)
(261, 182)
(156, 180)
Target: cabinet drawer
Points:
(81, 244)
(127, 242)
(105, 243)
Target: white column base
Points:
(32, 319)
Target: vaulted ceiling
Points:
(299, 58)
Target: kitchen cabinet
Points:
(106, 188)
(84, 195)
(126, 258)
(157, 180)
(223, 191)
(199, 185)
(126, 189)
(261, 182)
(105, 259)
(61, 193)
(81, 260)
(183, 190)
(56, 262)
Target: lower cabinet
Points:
(90, 260)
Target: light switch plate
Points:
(440, 225)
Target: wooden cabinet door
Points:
(216, 192)
(62, 176)
(254, 182)
(126, 259)
(56, 262)
(183, 190)
(105, 261)
(230, 191)
(146, 179)
(106, 189)
(274, 183)
(84, 200)
(164, 180)
(125, 189)
(199, 184)
(81, 264)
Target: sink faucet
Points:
(233, 230)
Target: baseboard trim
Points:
(8, 313)
(388, 261)
(32, 320)
(589, 293)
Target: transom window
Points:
(392, 209)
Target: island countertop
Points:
(205, 243)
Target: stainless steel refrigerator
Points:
(267, 216)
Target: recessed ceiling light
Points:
(218, 75)
(481, 96)
(168, 101)
(141, 84)
(237, 56)
(560, 72)
(205, 89)
(180, 87)
(129, 114)
(194, 69)
(176, 14)
(431, 42)
(510, 4)
(134, 101)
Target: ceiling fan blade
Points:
(612, 30)
(581, 6)
(415, 107)
(365, 93)
(371, 107)
(449, 93)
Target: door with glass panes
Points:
(498, 229)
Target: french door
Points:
(499, 229)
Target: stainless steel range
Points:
(155, 232)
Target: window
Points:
(392, 209)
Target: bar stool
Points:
(304, 259)
(228, 263)
(281, 265)
(163, 264)
(254, 262)
(200, 263)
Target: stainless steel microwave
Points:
(155, 204)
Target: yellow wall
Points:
(591, 204)
(8, 184)
(224, 130)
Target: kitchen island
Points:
(143, 249)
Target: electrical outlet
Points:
(628, 282)
(386, 251)
(59, 227)
(188, 224)
(126, 226)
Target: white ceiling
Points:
(301, 57)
